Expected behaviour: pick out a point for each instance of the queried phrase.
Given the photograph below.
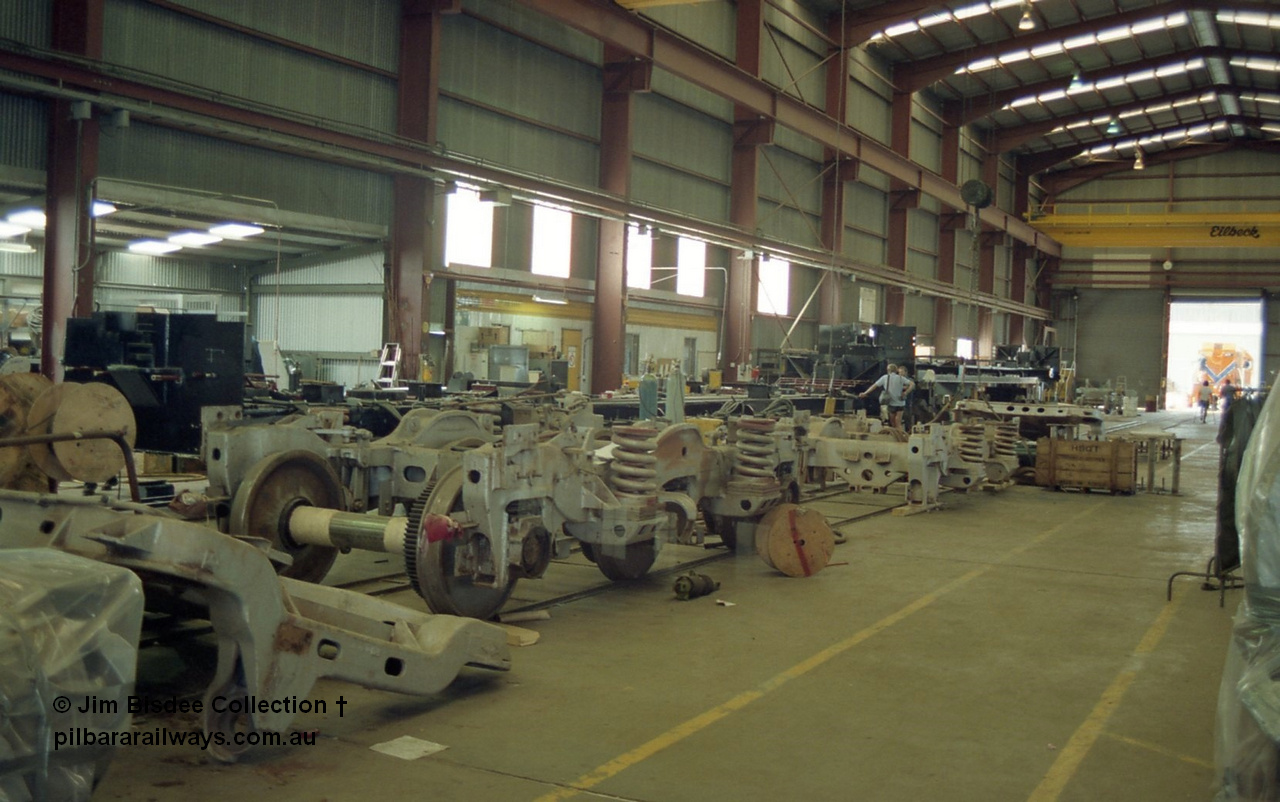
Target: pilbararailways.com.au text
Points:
(163, 736)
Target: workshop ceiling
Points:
(1064, 83)
(157, 215)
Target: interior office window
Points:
(468, 234)
(639, 257)
(552, 241)
(691, 267)
(773, 287)
(964, 347)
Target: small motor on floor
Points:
(692, 585)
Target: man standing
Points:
(1227, 395)
(895, 388)
(1204, 394)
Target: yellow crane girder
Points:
(1165, 230)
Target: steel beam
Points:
(943, 319)
(859, 26)
(744, 193)
(413, 242)
(686, 60)
(69, 259)
(833, 183)
(608, 313)
(903, 197)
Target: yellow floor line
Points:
(1159, 750)
(682, 731)
(1087, 734)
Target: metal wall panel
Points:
(918, 312)
(710, 24)
(1121, 333)
(787, 224)
(864, 247)
(150, 38)
(22, 266)
(869, 112)
(666, 85)
(366, 31)
(791, 142)
(1130, 184)
(128, 299)
(119, 267)
(27, 21)
(365, 269)
(789, 59)
(926, 146)
(787, 178)
(537, 27)
(671, 189)
(503, 71)
(24, 131)
(488, 135)
(342, 324)
(866, 207)
(171, 158)
(704, 144)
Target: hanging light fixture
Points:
(1027, 22)
(1113, 127)
(1076, 83)
(1139, 163)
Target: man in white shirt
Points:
(895, 388)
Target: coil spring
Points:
(757, 450)
(1006, 437)
(972, 443)
(634, 460)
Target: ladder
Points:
(388, 365)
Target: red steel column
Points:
(832, 222)
(69, 261)
(412, 230)
(900, 201)
(1018, 270)
(608, 314)
(943, 309)
(987, 263)
(744, 191)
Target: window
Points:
(552, 241)
(964, 347)
(868, 304)
(468, 235)
(639, 257)
(773, 288)
(691, 267)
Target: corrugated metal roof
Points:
(27, 21)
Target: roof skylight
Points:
(1100, 37)
(1250, 18)
(1076, 88)
(1190, 132)
(964, 12)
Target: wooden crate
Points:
(1109, 465)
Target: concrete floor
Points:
(1011, 646)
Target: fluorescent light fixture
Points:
(154, 247)
(236, 230)
(16, 247)
(542, 299)
(12, 229)
(1248, 62)
(1249, 18)
(102, 208)
(436, 332)
(898, 30)
(194, 238)
(31, 218)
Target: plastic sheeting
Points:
(69, 630)
(1248, 728)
